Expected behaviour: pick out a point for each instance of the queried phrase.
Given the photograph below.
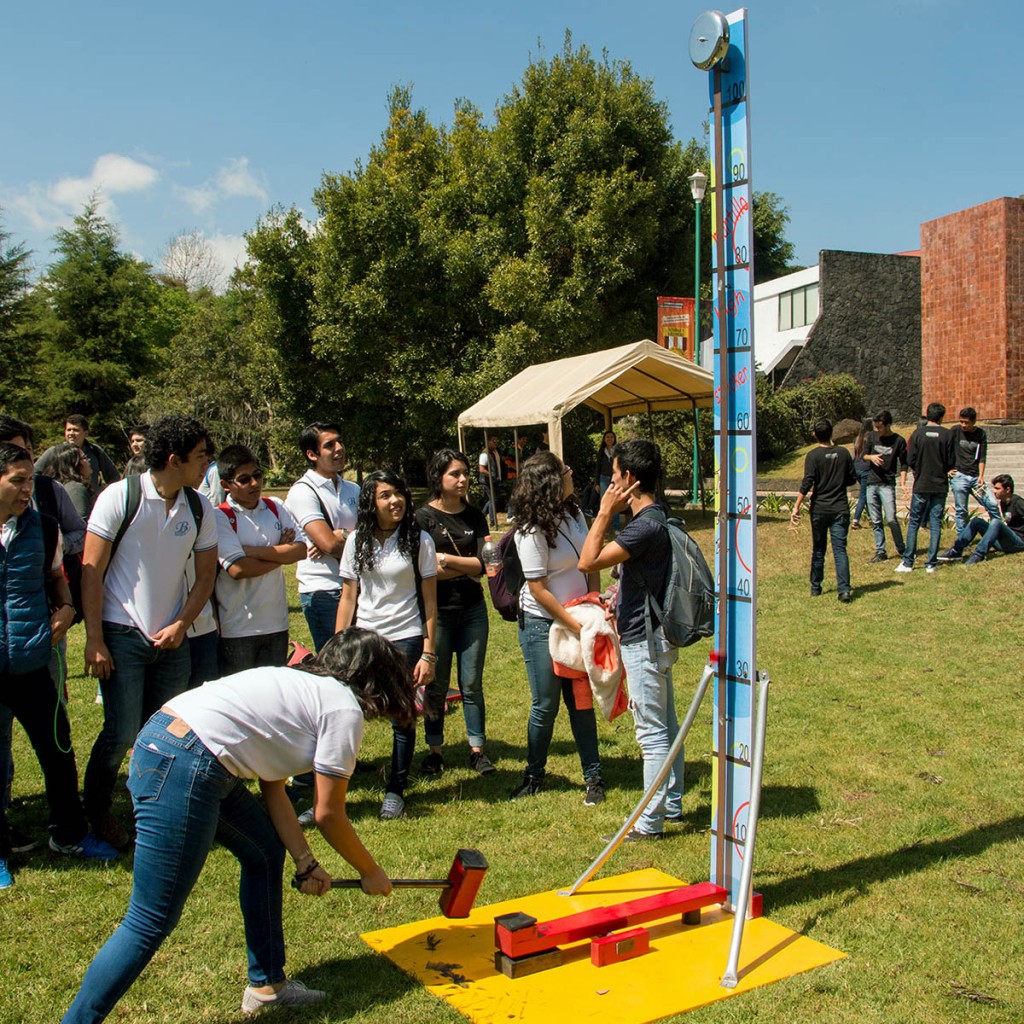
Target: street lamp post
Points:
(698, 183)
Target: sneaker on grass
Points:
(530, 786)
(20, 842)
(975, 559)
(903, 567)
(294, 993)
(481, 763)
(952, 555)
(307, 818)
(6, 878)
(432, 764)
(392, 807)
(595, 793)
(88, 847)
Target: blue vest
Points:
(24, 610)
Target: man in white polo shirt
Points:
(136, 611)
(255, 538)
(324, 505)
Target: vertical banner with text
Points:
(736, 497)
(675, 324)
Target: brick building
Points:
(972, 309)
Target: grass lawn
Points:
(891, 825)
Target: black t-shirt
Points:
(971, 448)
(893, 450)
(1014, 515)
(646, 541)
(931, 456)
(456, 534)
(828, 471)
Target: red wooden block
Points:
(600, 921)
(619, 946)
(464, 881)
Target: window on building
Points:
(798, 307)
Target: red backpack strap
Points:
(230, 513)
(272, 505)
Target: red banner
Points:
(675, 324)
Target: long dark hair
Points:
(538, 500)
(866, 426)
(372, 668)
(366, 519)
(66, 463)
(438, 466)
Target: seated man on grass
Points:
(1006, 534)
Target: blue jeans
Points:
(994, 533)
(862, 494)
(923, 507)
(320, 609)
(403, 741)
(204, 664)
(826, 525)
(653, 703)
(489, 510)
(545, 690)
(462, 633)
(882, 504)
(144, 679)
(184, 800)
(960, 484)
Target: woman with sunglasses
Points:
(187, 779)
(458, 531)
(389, 577)
(550, 531)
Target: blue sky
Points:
(868, 117)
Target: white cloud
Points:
(229, 251)
(234, 180)
(111, 174)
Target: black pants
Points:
(33, 700)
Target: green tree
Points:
(773, 255)
(98, 334)
(17, 350)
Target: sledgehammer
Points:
(459, 889)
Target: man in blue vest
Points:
(35, 612)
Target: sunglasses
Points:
(245, 478)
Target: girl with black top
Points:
(458, 531)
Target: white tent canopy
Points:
(636, 378)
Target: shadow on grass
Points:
(860, 589)
(866, 871)
(380, 983)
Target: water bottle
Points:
(490, 556)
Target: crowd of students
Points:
(941, 460)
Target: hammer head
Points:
(464, 881)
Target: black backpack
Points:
(687, 610)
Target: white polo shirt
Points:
(252, 607)
(340, 502)
(387, 601)
(559, 564)
(269, 723)
(143, 583)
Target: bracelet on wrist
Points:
(429, 658)
(301, 876)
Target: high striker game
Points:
(718, 44)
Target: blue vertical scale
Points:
(736, 469)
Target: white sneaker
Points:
(931, 568)
(307, 818)
(393, 807)
(294, 993)
(903, 567)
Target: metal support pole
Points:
(663, 771)
(696, 345)
(731, 977)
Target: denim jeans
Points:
(320, 609)
(834, 525)
(185, 800)
(546, 689)
(960, 484)
(238, 653)
(143, 680)
(653, 703)
(923, 507)
(882, 506)
(489, 510)
(403, 740)
(204, 664)
(462, 634)
(32, 699)
(994, 533)
(862, 494)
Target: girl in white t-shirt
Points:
(389, 576)
(186, 780)
(550, 532)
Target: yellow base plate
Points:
(455, 960)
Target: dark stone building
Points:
(869, 325)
